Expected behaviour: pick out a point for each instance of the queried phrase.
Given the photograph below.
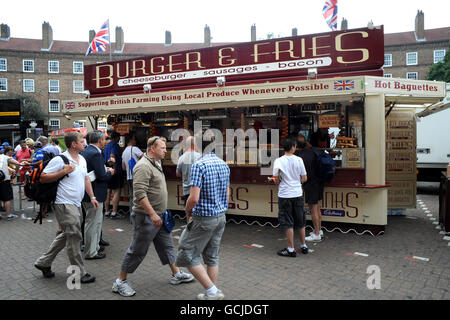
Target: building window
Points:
(3, 64)
(387, 60)
(438, 56)
(388, 75)
(3, 84)
(102, 125)
(28, 85)
(412, 75)
(28, 65)
(53, 105)
(82, 123)
(411, 58)
(78, 67)
(78, 86)
(53, 124)
(53, 67)
(53, 86)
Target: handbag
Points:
(168, 221)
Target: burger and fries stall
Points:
(331, 82)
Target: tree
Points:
(441, 71)
(31, 108)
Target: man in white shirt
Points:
(6, 191)
(289, 173)
(131, 151)
(74, 181)
(184, 165)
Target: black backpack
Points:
(43, 193)
(326, 167)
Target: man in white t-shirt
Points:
(131, 151)
(74, 181)
(289, 173)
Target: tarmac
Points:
(410, 261)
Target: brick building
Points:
(411, 54)
(52, 70)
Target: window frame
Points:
(49, 63)
(82, 89)
(417, 58)
(49, 86)
(82, 67)
(23, 65)
(24, 86)
(412, 72)
(6, 85)
(434, 55)
(54, 119)
(6, 64)
(387, 75)
(386, 65)
(49, 105)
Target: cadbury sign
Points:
(333, 52)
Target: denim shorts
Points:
(202, 236)
(291, 213)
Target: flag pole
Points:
(110, 41)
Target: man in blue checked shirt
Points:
(207, 204)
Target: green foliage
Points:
(441, 71)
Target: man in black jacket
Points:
(99, 176)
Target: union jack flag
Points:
(100, 40)
(342, 85)
(329, 11)
(70, 105)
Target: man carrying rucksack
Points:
(74, 181)
(48, 149)
(130, 157)
(313, 187)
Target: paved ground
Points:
(332, 271)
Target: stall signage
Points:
(333, 52)
(405, 87)
(329, 121)
(213, 95)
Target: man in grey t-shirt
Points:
(185, 163)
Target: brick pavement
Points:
(332, 271)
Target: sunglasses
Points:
(156, 139)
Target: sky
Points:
(229, 21)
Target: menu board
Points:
(329, 121)
(401, 158)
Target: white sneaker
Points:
(314, 238)
(181, 277)
(108, 213)
(219, 296)
(320, 233)
(124, 289)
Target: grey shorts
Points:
(144, 233)
(202, 236)
(291, 213)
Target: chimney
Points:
(419, 30)
(168, 40)
(344, 24)
(294, 32)
(5, 32)
(207, 41)
(91, 35)
(119, 44)
(253, 33)
(47, 36)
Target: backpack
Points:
(41, 192)
(131, 163)
(326, 167)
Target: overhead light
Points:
(312, 72)
(220, 81)
(67, 116)
(147, 87)
(86, 93)
(213, 117)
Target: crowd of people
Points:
(90, 174)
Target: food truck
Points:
(322, 85)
